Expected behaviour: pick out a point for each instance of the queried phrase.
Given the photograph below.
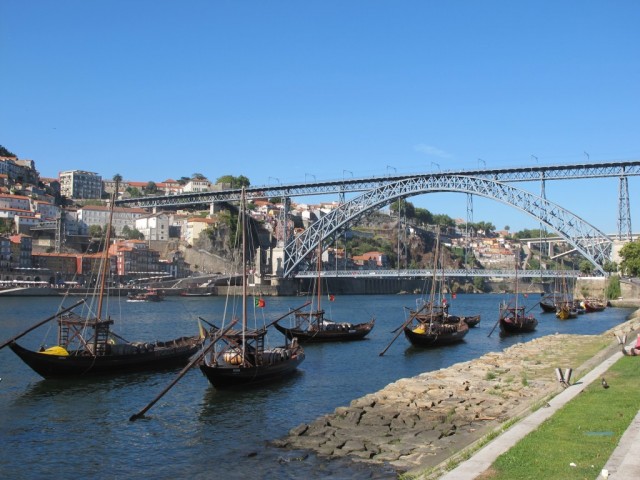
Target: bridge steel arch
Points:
(593, 244)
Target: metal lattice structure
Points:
(357, 185)
(593, 244)
(624, 211)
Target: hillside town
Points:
(50, 230)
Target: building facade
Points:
(80, 184)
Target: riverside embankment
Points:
(420, 424)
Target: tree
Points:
(6, 153)
(151, 188)
(95, 231)
(586, 267)
(424, 216)
(610, 267)
(198, 176)
(613, 287)
(6, 226)
(234, 182)
(183, 180)
(132, 233)
(133, 192)
(630, 255)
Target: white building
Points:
(194, 186)
(99, 215)
(154, 227)
(80, 184)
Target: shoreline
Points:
(421, 424)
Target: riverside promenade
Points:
(424, 425)
(624, 463)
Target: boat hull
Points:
(228, 376)
(472, 321)
(162, 356)
(438, 337)
(511, 326)
(354, 332)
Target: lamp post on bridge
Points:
(310, 175)
(483, 163)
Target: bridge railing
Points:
(421, 273)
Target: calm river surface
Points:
(80, 428)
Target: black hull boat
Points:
(514, 321)
(472, 321)
(123, 358)
(240, 357)
(327, 331)
(231, 369)
(87, 346)
(436, 334)
(313, 327)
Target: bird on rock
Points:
(604, 383)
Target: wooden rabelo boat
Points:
(512, 318)
(240, 357)
(313, 327)
(593, 305)
(431, 334)
(566, 310)
(431, 325)
(88, 346)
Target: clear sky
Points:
(287, 91)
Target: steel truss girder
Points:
(455, 273)
(356, 185)
(593, 244)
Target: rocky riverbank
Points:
(419, 424)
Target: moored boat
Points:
(313, 327)
(86, 345)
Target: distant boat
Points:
(431, 325)
(313, 327)
(150, 295)
(513, 318)
(593, 305)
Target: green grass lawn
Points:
(584, 432)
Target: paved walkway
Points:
(624, 462)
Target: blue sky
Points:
(288, 91)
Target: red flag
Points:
(453, 295)
(332, 298)
(259, 302)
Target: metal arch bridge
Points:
(621, 169)
(596, 247)
(593, 244)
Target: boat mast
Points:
(515, 258)
(244, 269)
(105, 256)
(319, 268)
(434, 278)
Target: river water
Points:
(80, 428)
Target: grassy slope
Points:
(584, 432)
